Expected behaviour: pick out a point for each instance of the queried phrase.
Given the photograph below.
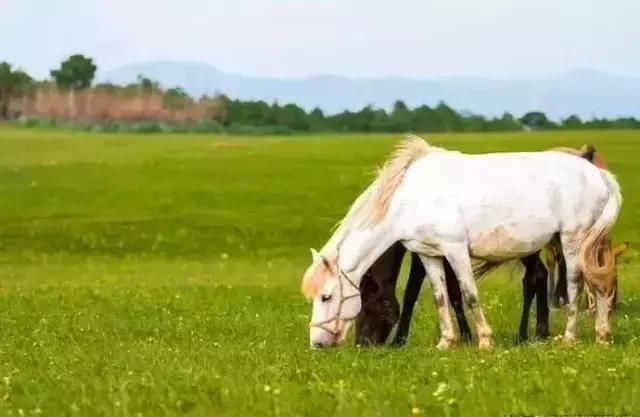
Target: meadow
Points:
(159, 275)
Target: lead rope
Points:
(336, 328)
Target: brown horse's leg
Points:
(455, 298)
(542, 299)
(534, 284)
(411, 293)
(558, 293)
(528, 293)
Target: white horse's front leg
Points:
(574, 286)
(435, 272)
(458, 257)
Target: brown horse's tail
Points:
(596, 258)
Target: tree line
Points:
(401, 118)
(146, 100)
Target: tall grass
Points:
(103, 104)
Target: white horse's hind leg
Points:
(435, 272)
(458, 257)
(602, 303)
(574, 284)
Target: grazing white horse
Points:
(491, 207)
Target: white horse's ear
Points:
(317, 258)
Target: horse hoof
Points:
(445, 344)
(603, 338)
(543, 333)
(398, 343)
(485, 344)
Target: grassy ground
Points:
(159, 275)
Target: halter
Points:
(335, 332)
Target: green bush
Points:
(144, 126)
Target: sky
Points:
(501, 39)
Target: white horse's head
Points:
(336, 296)
(336, 301)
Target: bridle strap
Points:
(335, 332)
(345, 276)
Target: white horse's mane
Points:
(372, 204)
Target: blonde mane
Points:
(369, 208)
(377, 204)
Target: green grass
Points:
(159, 275)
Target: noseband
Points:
(324, 325)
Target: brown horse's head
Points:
(589, 153)
(380, 308)
(380, 311)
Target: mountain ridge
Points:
(583, 91)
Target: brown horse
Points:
(555, 263)
(380, 308)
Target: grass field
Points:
(159, 275)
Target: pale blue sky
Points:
(294, 38)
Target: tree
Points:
(294, 117)
(147, 84)
(76, 72)
(362, 120)
(222, 110)
(256, 113)
(449, 118)
(400, 117)
(380, 121)
(536, 120)
(505, 122)
(424, 119)
(13, 83)
(572, 122)
(273, 116)
(626, 123)
(317, 119)
(176, 98)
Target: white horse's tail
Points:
(596, 258)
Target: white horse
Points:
(491, 207)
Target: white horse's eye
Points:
(325, 298)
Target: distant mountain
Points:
(583, 92)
